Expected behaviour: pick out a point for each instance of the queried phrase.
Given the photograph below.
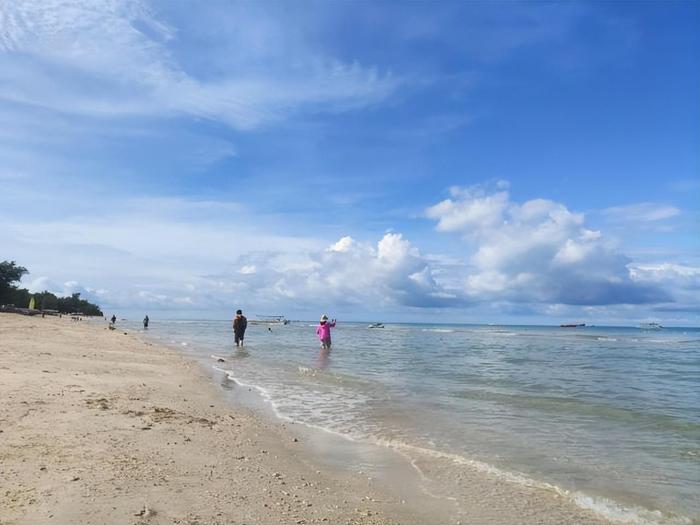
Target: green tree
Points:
(10, 274)
(47, 301)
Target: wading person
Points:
(323, 331)
(240, 323)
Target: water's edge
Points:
(608, 508)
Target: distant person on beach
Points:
(323, 331)
(145, 322)
(114, 319)
(240, 323)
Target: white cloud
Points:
(469, 208)
(114, 58)
(153, 253)
(44, 284)
(538, 251)
(345, 244)
(643, 212)
(392, 272)
(667, 273)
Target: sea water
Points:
(609, 417)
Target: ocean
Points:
(609, 417)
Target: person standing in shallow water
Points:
(240, 323)
(145, 322)
(323, 331)
(114, 319)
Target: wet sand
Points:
(99, 426)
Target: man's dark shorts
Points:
(238, 338)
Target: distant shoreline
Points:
(555, 324)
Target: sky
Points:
(476, 162)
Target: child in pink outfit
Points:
(323, 331)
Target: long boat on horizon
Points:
(269, 319)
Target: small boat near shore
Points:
(651, 326)
(269, 320)
(572, 325)
(376, 325)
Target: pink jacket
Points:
(323, 331)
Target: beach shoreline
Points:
(100, 426)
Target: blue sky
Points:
(477, 162)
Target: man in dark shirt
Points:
(240, 323)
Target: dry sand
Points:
(99, 427)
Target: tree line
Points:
(11, 294)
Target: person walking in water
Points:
(323, 331)
(145, 322)
(240, 323)
(114, 319)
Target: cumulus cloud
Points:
(468, 208)
(516, 257)
(538, 251)
(683, 280)
(392, 271)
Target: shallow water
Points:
(608, 416)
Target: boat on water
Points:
(650, 326)
(269, 319)
(376, 325)
(572, 325)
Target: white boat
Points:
(269, 319)
(650, 326)
(376, 325)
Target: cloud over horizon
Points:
(537, 251)
(536, 254)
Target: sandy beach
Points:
(99, 426)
